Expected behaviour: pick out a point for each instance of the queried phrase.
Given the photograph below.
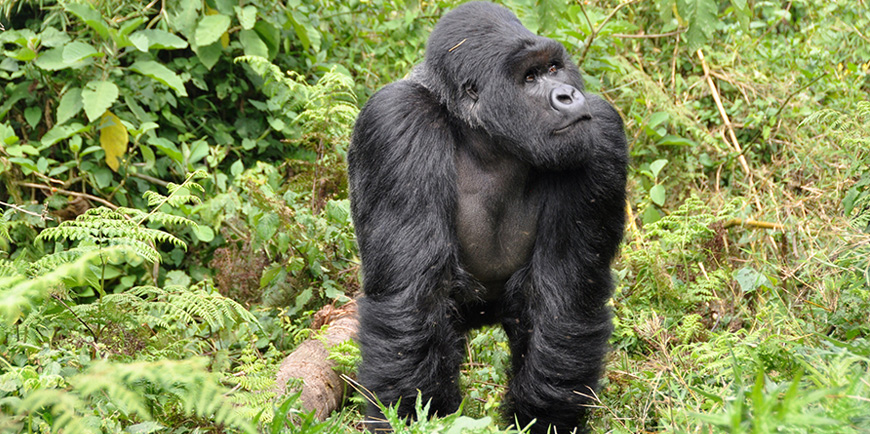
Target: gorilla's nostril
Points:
(566, 98)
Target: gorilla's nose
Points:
(566, 98)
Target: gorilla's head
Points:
(522, 89)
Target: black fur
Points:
(482, 197)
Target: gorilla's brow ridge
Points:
(532, 53)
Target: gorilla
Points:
(487, 187)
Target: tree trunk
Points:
(322, 388)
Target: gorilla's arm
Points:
(403, 184)
(402, 180)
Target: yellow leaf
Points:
(113, 139)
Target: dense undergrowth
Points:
(175, 208)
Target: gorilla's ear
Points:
(471, 90)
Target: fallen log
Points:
(322, 388)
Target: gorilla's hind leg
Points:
(406, 350)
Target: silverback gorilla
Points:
(487, 187)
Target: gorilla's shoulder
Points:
(400, 111)
(407, 96)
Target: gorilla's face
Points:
(522, 89)
(539, 103)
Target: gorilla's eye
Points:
(553, 68)
(530, 77)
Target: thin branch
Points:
(150, 179)
(652, 36)
(724, 115)
(600, 26)
(49, 179)
(70, 193)
(59, 300)
(787, 99)
(165, 200)
(20, 209)
(754, 224)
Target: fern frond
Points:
(153, 197)
(54, 260)
(106, 227)
(179, 194)
(9, 269)
(263, 67)
(186, 306)
(62, 406)
(254, 379)
(142, 249)
(187, 382)
(849, 128)
(7, 225)
(177, 200)
(171, 219)
(17, 293)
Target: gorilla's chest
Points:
(496, 216)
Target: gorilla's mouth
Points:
(571, 124)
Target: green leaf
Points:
(750, 280)
(672, 140)
(130, 25)
(743, 13)
(27, 165)
(210, 29)
(150, 68)
(97, 97)
(237, 168)
(24, 54)
(52, 37)
(650, 215)
(21, 38)
(701, 16)
(32, 115)
(302, 27)
(248, 16)
(161, 40)
(657, 194)
(271, 36)
(42, 165)
(656, 119)
(209, 55)
(144, 428)
(148, 156)
(7, 135)
(849, 201)
(91, 17)
(656, 166)
(52, 60)
(20, 150)
(76, 51)
(102, 176)
(167, 148)
(61, 132)
(252, 44)
(203, 233)
(70, 105)
(267, 226)
(139, 41)
(198, 151)
(468, 423)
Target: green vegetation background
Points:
(174, 208)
